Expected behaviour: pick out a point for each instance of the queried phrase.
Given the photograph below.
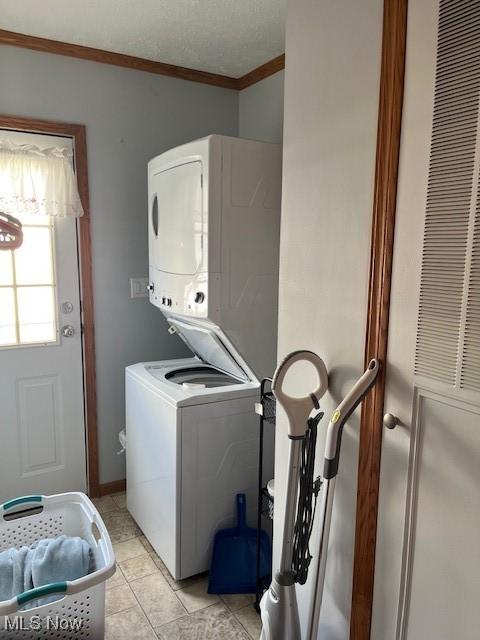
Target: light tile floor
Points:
(144, 602)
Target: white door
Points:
(427, 574)
(42, 426)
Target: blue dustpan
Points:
(234, 558)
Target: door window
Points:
(28, 288)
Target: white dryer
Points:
(192, 433)
(214, 238)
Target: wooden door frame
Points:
(77, 133)
(376, 342)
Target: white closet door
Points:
(428, 550)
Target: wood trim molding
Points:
(117, 59)
(140, 64)
(383, 225)
(86, 278)
(262, 72)
(78, 134)
(117, 486)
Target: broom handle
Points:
(295, 447)
(241, 511)
(328, 490)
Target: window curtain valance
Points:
(38, 181)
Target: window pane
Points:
(36, 314)
(33, 260)
(34, 219)
(6, 271)
(7, 317)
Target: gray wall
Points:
(130, 117)
(331, 101)
(260, 110)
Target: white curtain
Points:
(39, 181)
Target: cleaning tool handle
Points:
(241, 511)
(342, 413)
(23, 500)
(298, 409)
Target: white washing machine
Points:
(190, 451)
(192, 433)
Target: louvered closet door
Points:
(427, 580)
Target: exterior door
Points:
(427, 580)
(42, 424)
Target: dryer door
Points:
(175, 226)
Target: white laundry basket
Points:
(80, 614)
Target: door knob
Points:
(390, 421)
(67, 331)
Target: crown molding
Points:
(265, 70)
(58, 47)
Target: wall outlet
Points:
(138, 287)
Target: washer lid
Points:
(211, 348)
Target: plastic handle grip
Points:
(40, 592)
(299, 409)
(241, 510)
(342, 413)
(24, 500)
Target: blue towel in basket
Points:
(59, 559)
(46, 561)
(13, 579)
(56, 560)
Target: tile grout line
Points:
(234, 614)
(121, 610)
(143, 611)
(189, 615)
(148, 619)
(140, 606)
(242, 625)
(139, 603)
(119, 568)
(128, 582)
(186, 613)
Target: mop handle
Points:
(342, 414)
(298, 409)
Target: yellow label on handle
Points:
(335, 417)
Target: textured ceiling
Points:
(230, 37)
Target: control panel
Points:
(185, 295)
(165, 300)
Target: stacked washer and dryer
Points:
(192, 433)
